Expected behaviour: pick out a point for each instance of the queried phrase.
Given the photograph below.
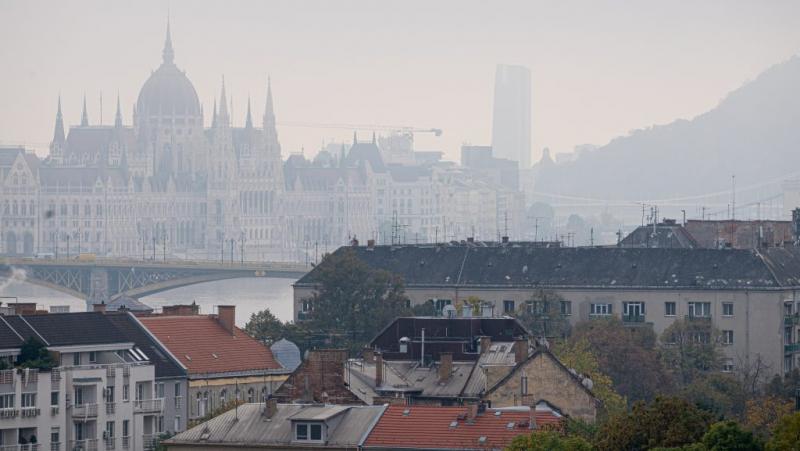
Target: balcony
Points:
(126, 442)
(8, 413)
(178, 402)
(27, 447)
(110, 443)
(791, 319)
(83, 445)
(55, 446)
(149, 441)
(698, 318)
(632, 318)
(791, 348)
(155, 405)
(85, 411)
(110, 408)
(27, 412)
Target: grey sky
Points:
(599, 68)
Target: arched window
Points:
(251, 395)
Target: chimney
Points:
(181, 310)
(472, 412)
(370, 244)
(445, 366)
(99, 307)
(368, 354)
(378, 369)
(485, 343)
(520, 350)
(226, 315)
(270, 406)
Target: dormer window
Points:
(308, 432)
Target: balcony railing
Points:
(110, 407)
(791, 319)
(149, 441)
(698, 317)
(791, 348)
(126, 442)
(111, 442)
(84, 410)
(7, 377)
(55, 446)
(148, 405)
(8, 413)
(26, 447)
(633, 318)
(83, 445)
(179, 402)
(30, 412)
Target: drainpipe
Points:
(422, 353)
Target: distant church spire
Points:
(118, 116)
(84, 114)
(223, 118)
(355, 138)
(248, 123)
(214, 115)
(168, 54)
(58, 133)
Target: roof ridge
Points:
(768, 264)
(33, 329)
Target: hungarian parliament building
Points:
(170, 187)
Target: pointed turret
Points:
(58, 133)
(223, 118)
(84, 114)
(248, 122)
(214, 115)
(269, 113)
(168, 54)
(118, 116)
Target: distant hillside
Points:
(753, 133)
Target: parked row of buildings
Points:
(751, 295)
(170, 184)
(423, 383)
(105, 381)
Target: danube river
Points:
(248, 295)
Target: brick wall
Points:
(320, 378)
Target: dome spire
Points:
(269, 113)
(58, 133)
(168, 54)
(84, 114)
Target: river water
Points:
(248, 295)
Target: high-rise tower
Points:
(511, 127)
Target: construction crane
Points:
(372, 127)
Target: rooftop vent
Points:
(407, 412)
(482, 439)
(454, 424)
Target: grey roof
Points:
(528, 266)
(128, 303)
(365, 153)
(660, 235)
(252, 429)
(409, 376)
(67, 329)
(287, 354)
(498, 354)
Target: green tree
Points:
(352, 301)
(33, 354)
(578, 354)
(729, 436)
(666, 422)
(628, 355)
(786, 436)
(541, 315)
(719, 393)
(265, 326)
(548, 441)
(691, 348)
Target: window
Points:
(7, 401)
(601, 309)
(28, 400)
(669, 309)
(78, 396)
(537, 307)
(160, 423)
(110, 394)
(508, 306)
(54, 398)
(566, 308)
(633, 311)
(727, 366)
(727, 309)
(699, 309)
(176, 426)
(308, 431)
(125, 428)
(76, 358)
(126, 392)
(439, 304)
(523, 385)
(109, 432)
(160, 390)
(55, 435)
(177, 389)
(93, 357)
(727, 337)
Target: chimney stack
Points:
(270, 406)
(378, 369)
(485, 343)
(520, 350)
(445, 366)
(226, 315)
(99, 307)
(368, 354)
(472, 412)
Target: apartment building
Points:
(94, 392)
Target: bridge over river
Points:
(96, 279)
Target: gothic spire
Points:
(248, 123)
(168, 54)
(84, 114)
(118, 116)
(58, 133)
(223, 118)
(214, 115)
(269, 113)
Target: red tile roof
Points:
(430, 427)
(204, 346)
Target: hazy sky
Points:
(599, 68)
